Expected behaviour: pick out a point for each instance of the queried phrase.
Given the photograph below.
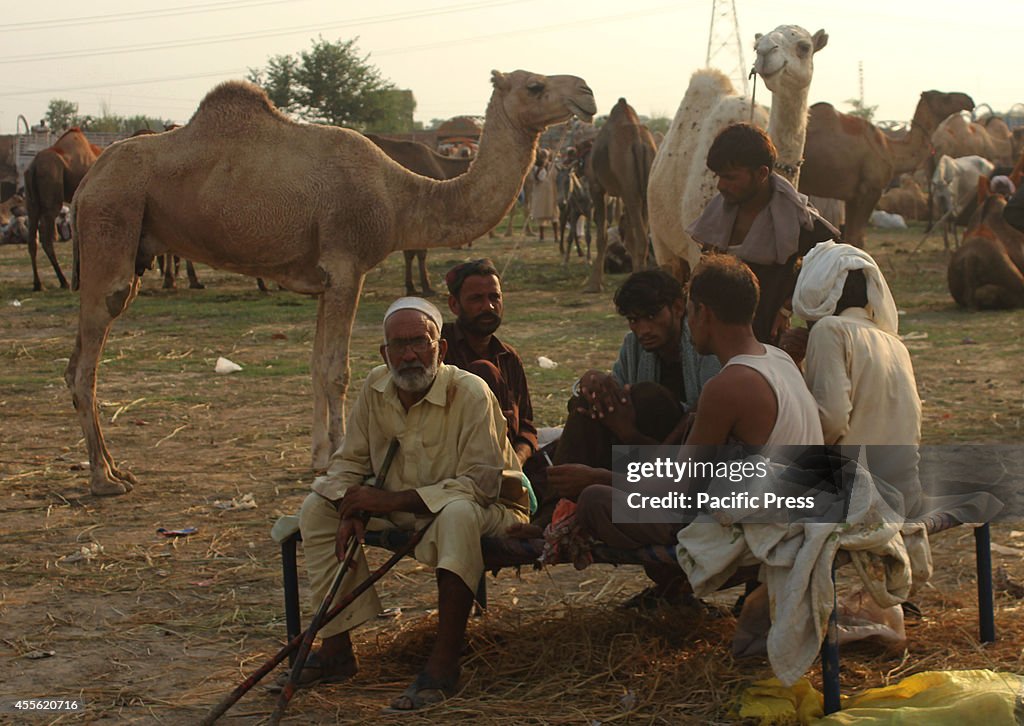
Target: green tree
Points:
(859, 109)
(61, 114)
(332, 83)
(278, 79)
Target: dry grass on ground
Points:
(155, 630)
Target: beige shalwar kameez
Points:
(452, 450)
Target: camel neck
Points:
(787, 128)
(460, 210)
(908, 153)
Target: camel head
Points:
(935, 106)
(785, 57)
(533, 102)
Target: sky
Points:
(160, 58)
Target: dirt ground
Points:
(142, 628)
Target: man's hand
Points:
(781, 324)
(523, 452)
(794, 342)
(347, 529)
(568, 480)
(621, 420)
(602, 392)
(366, 499)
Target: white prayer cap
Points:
(415, 303)
(1002, 184)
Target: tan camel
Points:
(337, 208)
(619, 165)
(987, 272)
(423, 160)
(906, 200)
(681, 184)
(848, 158)
(959, 136)
(50, 181)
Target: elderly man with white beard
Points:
(452, 456)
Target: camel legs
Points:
(858, 211)
(193, 279)
(105, 294)
(336, 311)
(45, 225)
(637, 240)
(601, 220)
(421, 257)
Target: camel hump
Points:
(710, 82)
(235, 102)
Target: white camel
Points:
(680, 183)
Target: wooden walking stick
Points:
(232, 698)
(315, 624)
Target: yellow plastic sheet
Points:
(936, 698)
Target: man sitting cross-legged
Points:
(759, 398)
(449, 463)
(657, 377)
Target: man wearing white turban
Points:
(857, 367)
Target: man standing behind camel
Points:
(449, 465)
(475, 298)
(759, 217)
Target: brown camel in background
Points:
(987, 271)
(959, 136)
(848, 158)
(50, 181)
(201, 192)
(619, 165)
(423, 160)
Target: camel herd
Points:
(341, 201)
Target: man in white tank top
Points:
(760, 397)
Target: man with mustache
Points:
(760, 218)
(656, 380)
(452, 463)
(476, 300)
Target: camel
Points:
(959, 136)
(987, 272)
(423, 160)
(338, 207)
(50, 181)
(574, 204)
(954, 189)
(619, 165)
(681, 184)
(848, 158)
(906, 200)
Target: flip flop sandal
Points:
(424, 691)
(315, 671)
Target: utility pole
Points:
(724, 45)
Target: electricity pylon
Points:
(725, 48)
